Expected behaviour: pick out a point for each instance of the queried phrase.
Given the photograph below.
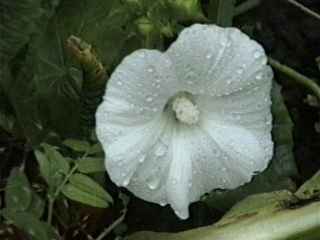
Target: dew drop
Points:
(153, 184)
(119, 83)
(142, 159)
(259, 76)
(240, 71)
(257, 54)
(161, 150)
(126, 182)
(149, 99)
(150, 70)
(190, 82)
(174, 181)
(162, 203)
(208, 56)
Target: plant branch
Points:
(305, 9)
(113, 225)
(298, 77)
(246, 6)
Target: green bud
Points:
(187, 10)
(145, 26)
(167, 31)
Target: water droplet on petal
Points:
(162, 203)
(257, 54)
(126, 182)
(161, 150)
(259, 76)
(149, 99)
(150, 69)
(119, 83)
(240, 70)
(153, 184)
(208, 56)
(142, 159)
(190, 82)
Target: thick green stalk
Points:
(296, 224)
(298, 77)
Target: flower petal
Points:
(136, 93)
(130, 117)
(216, 61)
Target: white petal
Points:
(242, 152)
(216, 61)
(180, 173)
(136, 93)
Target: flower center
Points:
(186, 111)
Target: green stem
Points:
(305, 9)
(50, 209)
(246, 6)
(298, 77)
(66, 179)
(52, 198)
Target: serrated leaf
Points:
(91, 165)
(282, 166)
(18, 193)
(77, 145)
(27, 222)
(83, 189)
(88, 185)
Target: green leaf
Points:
(18, 195)
(37, 206)
(44, 165)
(27, 222)
(86, 184)
(96, 148)
(57, 161)
(282, 166)
(53, 166)
(77, 145)
(91, 165)
(222, 12)
(83, 189)
(17, 23)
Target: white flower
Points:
(178, 124)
